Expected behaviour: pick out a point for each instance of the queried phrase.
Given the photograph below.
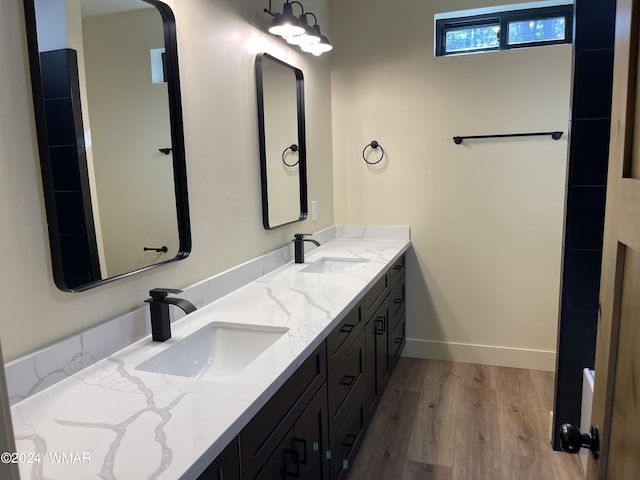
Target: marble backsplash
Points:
(36, 371)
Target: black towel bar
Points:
(554, 135)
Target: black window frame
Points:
(444, 25)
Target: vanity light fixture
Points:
(297, 31)
(285, 24)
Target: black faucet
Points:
(159, 304)
(298, 244)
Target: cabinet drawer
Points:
(259, 439)
(341, 337)
(397, 339)
(397, 298)
(345, 383)
(347, 442)
(397, 269)
(375, 296)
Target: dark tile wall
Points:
(594, 24)
(61, 91)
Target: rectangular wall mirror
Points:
(109, 124)
(281, 129)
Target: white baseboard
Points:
(483, 354)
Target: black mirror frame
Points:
(177, 140)
(302, 145)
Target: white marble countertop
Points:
(111, 420)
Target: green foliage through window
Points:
(523, 28)
(528, 31)
(473, 38)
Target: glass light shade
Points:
(304, 39)
(308, 37)
(286, 24)
(318, 48)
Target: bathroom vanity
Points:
(308, 351)
(314, 424)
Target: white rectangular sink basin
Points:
(335, 265)
(216, 352)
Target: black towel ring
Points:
(373, 145)
(293, 148)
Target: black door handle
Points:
(572, 439)
(379, 325)
(303, 442)
(296, 463)
(347, 380)
(349, 440)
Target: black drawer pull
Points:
(380, 329)
(296, 461)
(397, 340)
(304, 449)
(398, 267)
(398, 300)
(347, 328)
(349, 440)
(348, 380)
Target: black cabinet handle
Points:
(398, 300)
(302, 441)
(397, 340)
(296, 461)
(398, 267)
(380, 330)
(347, 328)
(349, 440)
(348, 380)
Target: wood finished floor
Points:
(457, 421)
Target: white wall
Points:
(486, 217)
(217, 43)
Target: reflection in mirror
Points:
(282, 141)
(109, 122)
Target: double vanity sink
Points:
(165, 410)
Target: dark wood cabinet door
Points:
(370, 396)
(264, 434)
(383, 365)
(377, 359)
(311, 439)
(302, 452)
(226, 466)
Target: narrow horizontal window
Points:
(472, 38)
(503, 30)
(541, 30)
